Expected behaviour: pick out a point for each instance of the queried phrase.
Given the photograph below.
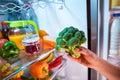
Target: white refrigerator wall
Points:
(54, 17)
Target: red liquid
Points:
(32, 49)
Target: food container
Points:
(32, 44)
(16, 30)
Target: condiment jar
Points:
(32, 44)
(5, 30)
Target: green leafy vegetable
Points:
(69, 39)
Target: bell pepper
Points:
(49, 44)
(9, 50)
(18, 75)
(5, 69)
(56, 62)
(39, 69)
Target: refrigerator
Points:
(90, 16)
(54, 16)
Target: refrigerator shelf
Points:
(26, 61)
(11, 7)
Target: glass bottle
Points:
(5, 30)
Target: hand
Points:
(87, 58)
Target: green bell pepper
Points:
(9, 50)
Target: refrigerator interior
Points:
(53, 17)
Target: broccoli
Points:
(69, 39)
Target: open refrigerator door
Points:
(108, 48)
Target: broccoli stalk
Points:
(72, 44)
(69, 39)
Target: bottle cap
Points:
(116, 15)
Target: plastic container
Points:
(115, 35)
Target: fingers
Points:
(74, 59)
(82, 50)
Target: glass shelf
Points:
(25, 61)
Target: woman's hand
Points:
(87, 57)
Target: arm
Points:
(108, 70)
(89, 59)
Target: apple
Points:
(2, 41)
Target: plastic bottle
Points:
(115, 35)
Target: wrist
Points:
(96, 63)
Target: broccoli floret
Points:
(67, 36)
(63, 31)
(69, 39)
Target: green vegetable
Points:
(9, 50)
(56, 79)
(27, 78)
(69, 39)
